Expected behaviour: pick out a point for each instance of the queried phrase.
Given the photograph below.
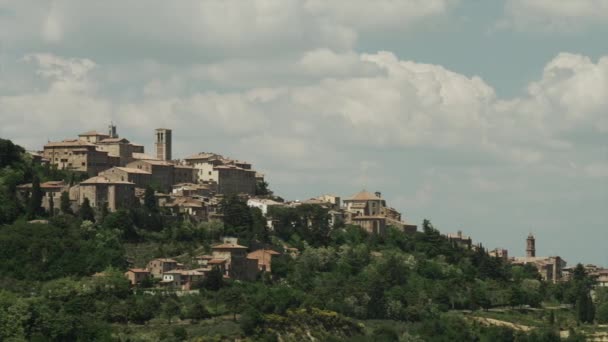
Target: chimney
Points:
(378, 194)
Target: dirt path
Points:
(496, 322)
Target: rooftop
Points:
(131, 170)
(228, 246)
(364, 196)
(92, 133)
(68, 142)
(202, 155)
(104, 180)
(142, 156)
(114, 140)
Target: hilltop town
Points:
(138, 239)
(115, 173)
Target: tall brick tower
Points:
(163, 144)
(530, 246)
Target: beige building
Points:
(79, 156)
(161, 172)
(500, 253)
(183, 174)
(231, 176)
(187, 207)
(461, 240)
(92, 152)
(264, 259)
(370, 212)
(233, 259)
(140, 178)
(51, 191)
(158, 267)
(163, 144)
(549, 268)
(137, 275)
(99, 190)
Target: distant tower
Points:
(530, 247)
(163, 144)
(112, 130)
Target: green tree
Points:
(35, 199)
(214, 280)
(585, 310)
(251, 320)
(121, 221)
(233, 298)
(170, 308)
(64, 204)
(9, 153)
(51, 206)
(261, 189)
(86, 212)
(150, 200)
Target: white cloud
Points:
(554, 16)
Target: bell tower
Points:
(163, 143)
(530, 246)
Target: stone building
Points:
(79, 156)
(237, 265)
(137, 275)
(92, 152)
(187, 207)
(370, 212)
(163, 144)
(550, 268)
(99, 190)
(51, 191)
(160, 170)
(158, 267)
(183, 174)
(500, 253)
(140, 178)
(461, 240)
(231, 176)
(264, 259)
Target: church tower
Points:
(112, 130)
(163, 144)
(530, 246)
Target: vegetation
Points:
(63, 281)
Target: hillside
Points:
(64, 280)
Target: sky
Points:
(489, 117)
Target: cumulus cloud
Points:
(554, 16)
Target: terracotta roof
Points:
(157, 162)
(103, 180)
(92, 133)
(202, 155)
(138, 270)
(260, 252)
(142, 156)
(217, 261)
(66, 143)
(228, 246)
(132, 170)
(364, 196)
(164, 260)
(114, 140)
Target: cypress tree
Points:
(35, 201)
(51, 206)
(86, 212)
(150, 199)
(64, 204)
